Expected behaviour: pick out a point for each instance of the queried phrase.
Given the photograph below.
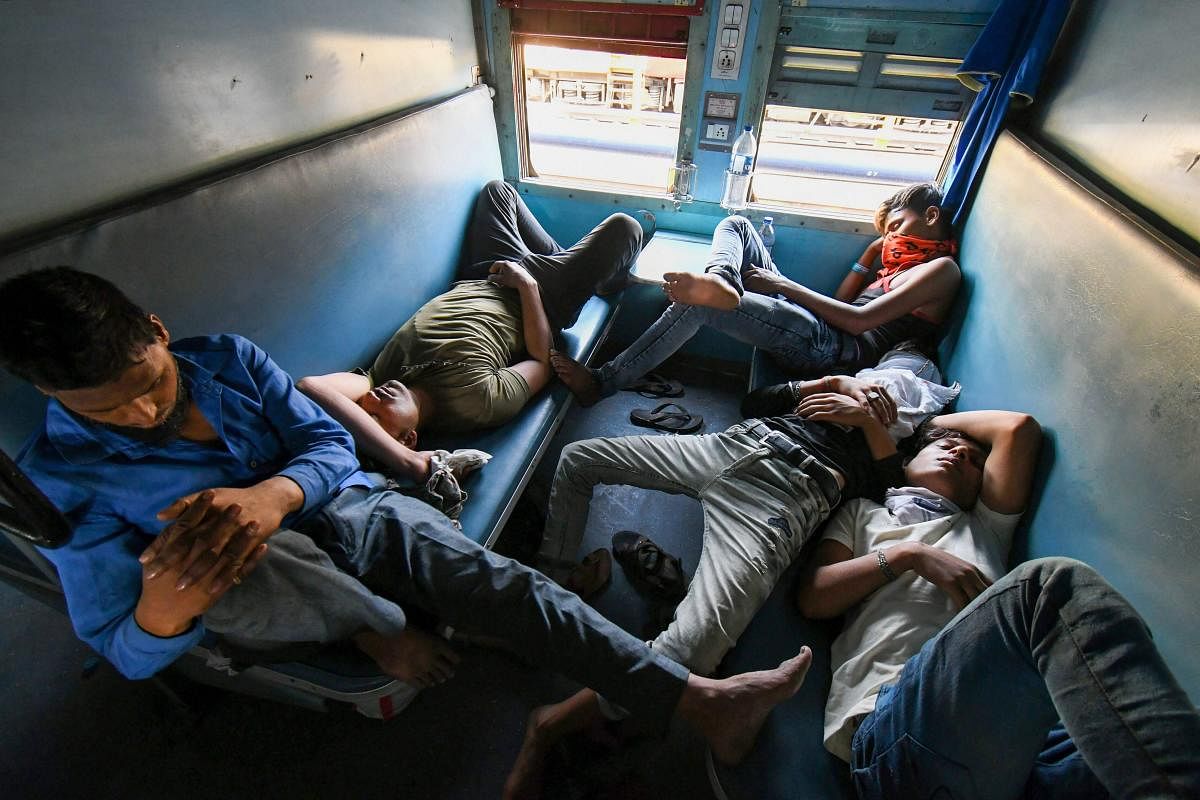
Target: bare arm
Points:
(837, 582)
(854, 281)
(845, 410)
(931, 282)
(337, 393)
(536, 327)
(1013, 440)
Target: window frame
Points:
(846, 26)
(697, 215)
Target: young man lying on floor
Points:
(474, 356)
(177, 462)
(743, 294)
(925, 703)
(764, 486)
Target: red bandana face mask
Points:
(901, 252)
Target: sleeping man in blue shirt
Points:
(179, 464)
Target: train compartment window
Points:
(858, 104)
(598, 117)
(845, 162)
(598, 96)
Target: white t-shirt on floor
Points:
(895, 622)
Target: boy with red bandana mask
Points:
(743, 294)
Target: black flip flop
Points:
(654, 385)
(661, 418)
(648, 566)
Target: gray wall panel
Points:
(1124, 104)
(102, 99)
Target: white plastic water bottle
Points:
(737, 177)
(767, 233)
(744, 147)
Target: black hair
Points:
(918, 197)
(925, 435)
(65, 329)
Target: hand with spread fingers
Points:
(960, 580)
(509, 274)
(874, 397)
(834, 407)
(168, 605)
(763, 281)
(260, 509)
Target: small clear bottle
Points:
(767, 233)
(741, 160)
(741, 167)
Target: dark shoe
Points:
(654, 385)
(648, 566)
(661, 418)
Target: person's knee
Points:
(576, 457)
(736, 223)
(1058, 569)
(498, 189)
(621, 228)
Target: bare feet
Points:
(591, 575)
(577, 377)
(546, 727)
(700, 290)
(730, 712)
(414, 656)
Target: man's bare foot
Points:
(546, 727)
(730, 712)
(592, 574)
(577, 377)
(414, 656)
(701, 290)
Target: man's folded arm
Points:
(322, 450)
(102, 583)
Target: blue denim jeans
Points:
(970, 714)
(799, 340)
(404, 550)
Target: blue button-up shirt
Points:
(111, 487)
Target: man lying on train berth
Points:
(764, 485)
(177, 462)
(743, 294)
(473, 356)
(951, 680)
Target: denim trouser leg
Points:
(405, 550)
(1050, 640)
(737, 247)
(918, 364)
(798, 339)
(758, 512)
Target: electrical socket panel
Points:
(730, 41)
(717, 132)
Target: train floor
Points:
(74, 728)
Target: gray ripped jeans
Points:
(758, 512)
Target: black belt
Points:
(798, 456)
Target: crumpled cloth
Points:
(442, 489)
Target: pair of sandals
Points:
(648, 567)
(668, 417)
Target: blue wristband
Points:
(860, 269)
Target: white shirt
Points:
(894, 622)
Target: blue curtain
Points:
(1004, 66)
